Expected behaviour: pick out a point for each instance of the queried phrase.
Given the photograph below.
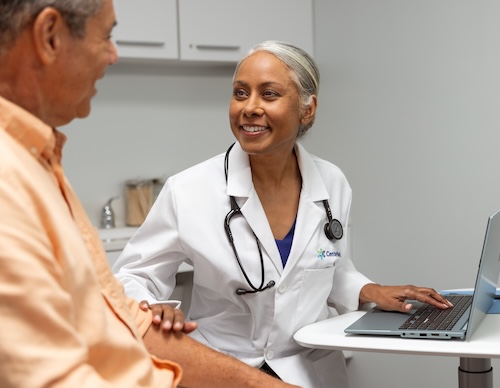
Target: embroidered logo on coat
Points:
(321, 254)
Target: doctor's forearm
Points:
(205, 367)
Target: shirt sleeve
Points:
(56, 327)
(347, 285)
(143, 319)
(39, 343)
(348, 281)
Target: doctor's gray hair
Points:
(17, 14)
(303, 69)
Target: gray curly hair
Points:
(303, 69)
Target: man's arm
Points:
(205, 367)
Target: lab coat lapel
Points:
(240, 186)
(256, 218)
(311, 211)
(239, 178)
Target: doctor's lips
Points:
(253, 128)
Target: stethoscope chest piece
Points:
(334, 230)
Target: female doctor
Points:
(263, 225)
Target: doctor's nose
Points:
(252, 108)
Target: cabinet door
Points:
(146, 29)
(223, 30)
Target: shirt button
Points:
(282, 288)
(34, 150)
(270, 355)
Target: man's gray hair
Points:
(16, 14)
(303, 69)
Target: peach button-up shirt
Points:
(64, 319)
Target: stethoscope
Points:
(333, 230)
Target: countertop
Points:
(115, 239)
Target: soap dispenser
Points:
(107, 215)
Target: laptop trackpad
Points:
(379, 321)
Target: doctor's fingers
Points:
(144, 305)
(167, 316)
(170, 318)
(157, 312)
(427, 295)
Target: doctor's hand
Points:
(168, 317)
(394, 298)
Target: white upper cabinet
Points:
(208, 30)
(146, 29)
(223, 30)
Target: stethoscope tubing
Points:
(333, 230)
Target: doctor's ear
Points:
(309, 110)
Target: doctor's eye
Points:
(269, 94)
(240, 93)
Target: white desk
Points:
(475, 355)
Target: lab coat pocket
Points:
(315, 287)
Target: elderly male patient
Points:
(65, 321)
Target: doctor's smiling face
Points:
(266, 110)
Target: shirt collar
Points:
(39, 139)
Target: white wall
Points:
(410, 105)
(147, 121)
(409, 109)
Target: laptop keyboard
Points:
(428, 317)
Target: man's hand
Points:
(394, 298)
(168, 318)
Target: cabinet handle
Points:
(139, 43)
(216, 47)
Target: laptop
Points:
(469, 311)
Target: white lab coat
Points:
(186, 223)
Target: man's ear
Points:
(48, 28)
(309, 111)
